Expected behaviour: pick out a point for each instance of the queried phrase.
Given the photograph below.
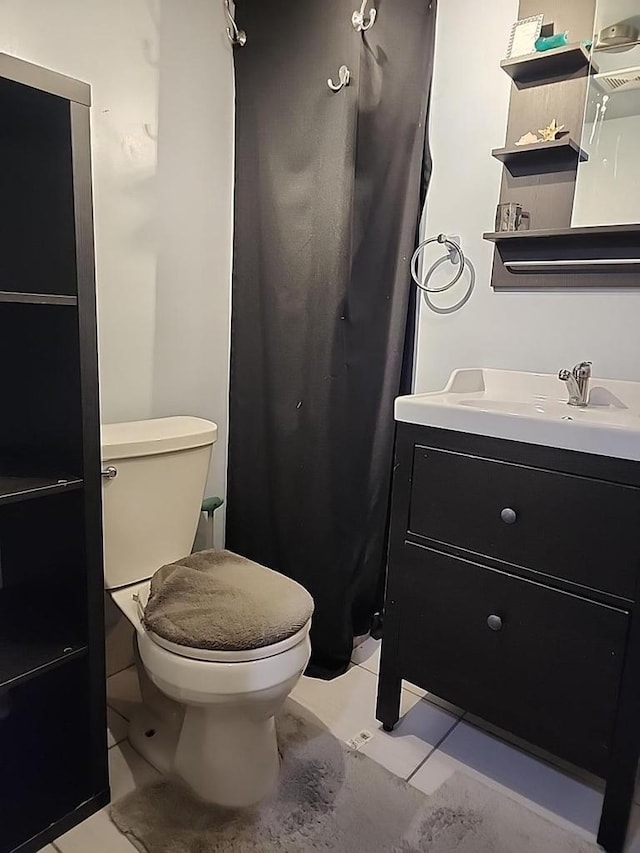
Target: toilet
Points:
(207, 715)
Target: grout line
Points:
(55, 847)
(112, 708)
(435, 749)
(372, 671)
(116, 712)
(122, 669)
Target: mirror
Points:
(608, 183)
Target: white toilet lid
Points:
(132, 600)
(218, 656)
(225, 604)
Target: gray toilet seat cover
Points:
(220, 601)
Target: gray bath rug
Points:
(331, 798)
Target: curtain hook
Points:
(344, 76)
(358, 21)
(235, 36)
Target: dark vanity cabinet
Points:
(511, 593)
(53, 755)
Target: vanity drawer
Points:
(583, 530)
(538, 662)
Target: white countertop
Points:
(532, 407)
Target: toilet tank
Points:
(151, 506)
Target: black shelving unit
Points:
(541, 157)
(53, 757)
(14, 489)
(37, 298)
(559, 63)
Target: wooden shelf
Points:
(609, 233)
(593, 257)
(541, 157)
(37, 298)
(548, 64)
(35, 635)
(14, 489)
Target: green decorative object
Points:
(550, 42)
(210, 505)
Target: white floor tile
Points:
(417, 734)
(48, 849)
(127, 770)
(123, 692)
(117, 728)
(97, 834)
(367, 655)
(542, 788)
(347, 705)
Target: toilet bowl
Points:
(207, 715)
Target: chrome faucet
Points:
(577, 383)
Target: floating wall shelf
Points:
(606, 256)
(613, 234)
(559, 155)
(548, 65)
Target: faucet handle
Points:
(582, 370)
(564, 374)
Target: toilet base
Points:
(155, 726)
(228, 761)
(155, 738)
(226, 758)
(221, 718)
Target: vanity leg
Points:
(620, 786)
(625, 750)
(389, 677)
(389, 696)
(614, 821)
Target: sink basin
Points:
(532, 407)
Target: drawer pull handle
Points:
(508, 515)
(495, 623)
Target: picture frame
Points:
(523, 37)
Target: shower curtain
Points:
(327, 200)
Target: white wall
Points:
(526, 331)
(162, 133)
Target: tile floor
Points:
(431, 742)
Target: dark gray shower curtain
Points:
(328, 190)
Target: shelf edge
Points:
(54, 663)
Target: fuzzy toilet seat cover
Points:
(220, 601)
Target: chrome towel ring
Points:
(454, 255)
